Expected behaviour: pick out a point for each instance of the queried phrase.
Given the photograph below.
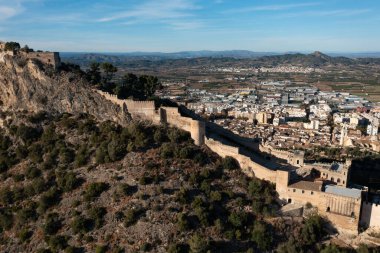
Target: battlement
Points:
(47, 58)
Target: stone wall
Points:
(370, 215)
(146, 110)
(341, 211)
(248, 166)
(48, 58)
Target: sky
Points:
(190, 25)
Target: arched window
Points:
(352, 214)
(338, 180)
(328, 209)
(289, 201)
(332, 179)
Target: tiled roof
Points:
(307, 185)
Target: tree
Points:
(198, 244)
(12, 46)
(109, 71)
(93, 74)
(262, 236)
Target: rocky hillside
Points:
(28, 85)
(71, 183)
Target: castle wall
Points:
(343, 212)
(49, 58)
(370, 215)
(247, 165)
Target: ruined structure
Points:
(47, 58)
(328, 193)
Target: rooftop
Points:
(345, 192)
(307, 185)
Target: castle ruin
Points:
(47, 58)
(328, 193)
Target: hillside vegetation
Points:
(71, 183)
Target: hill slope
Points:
(35, 87)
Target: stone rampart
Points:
(248, 166)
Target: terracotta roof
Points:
(307, 185)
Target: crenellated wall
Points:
(248, 166)
(341, 211)
(146, 110)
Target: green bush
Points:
(230, 163)
(6, 219)
(237, 219)
(81, 225)
(101, 249)
(262, 236)
(52, 224)
(49, 199)
(57, 243)
(32, 172)
(25, 234)
(97, 214)
(68, 181)
(94, 190)
(131, 216)
(198, 244)
(182, 222)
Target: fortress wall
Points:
(247, 165)
(370, 215)
(50, 58)
(282, 154)
(146, 110)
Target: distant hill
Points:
(139, 59)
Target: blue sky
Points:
(178, 25)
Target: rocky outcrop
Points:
(26, 85)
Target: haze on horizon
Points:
(190, 25)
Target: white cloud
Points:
(175, 13)
(325, 13)
(7, 12)
(155, 9)
(277, 7)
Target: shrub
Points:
(6, 219)
(81, 225)
(52, 224)
(198, 244)
(28, 134)
(182, 222)
(49, 199)
(6, 196)
(101, 249)
(68, 181)
(27, 214)
(25, 234)
(32, 172)
(94, 190)
(177, 248)
(215, 196)
(131, 216)
(237, 219)
(97, 214)
(262, 236)
(230, 163)
(167, 150)
(57, 242)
